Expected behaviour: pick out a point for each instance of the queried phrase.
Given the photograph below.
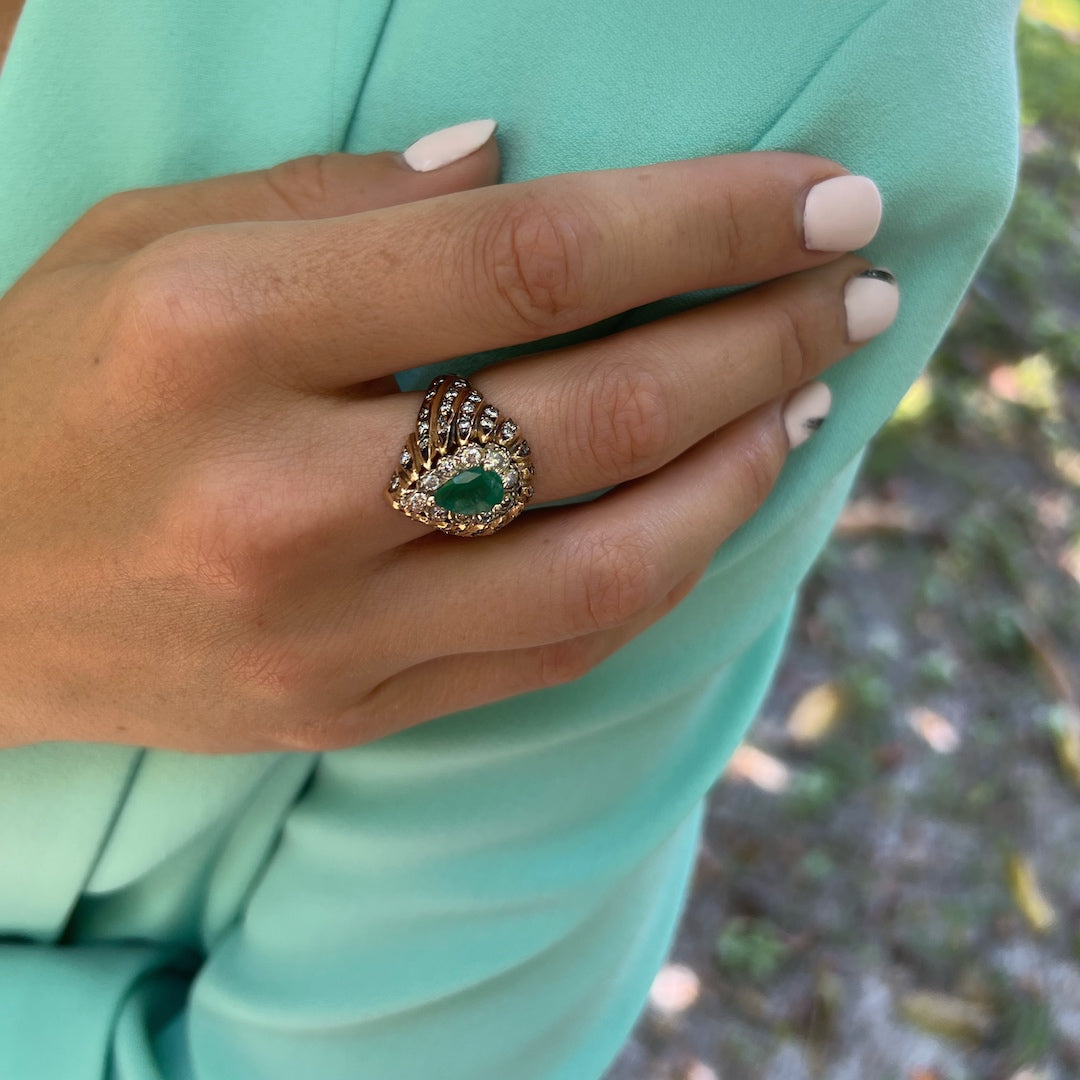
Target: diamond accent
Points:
(464, 427)
(417, 502)
(395, 483)
(497, 457)
(508, 430)
(406, 458)
(431, 482)
(522, 449)
(471, 456)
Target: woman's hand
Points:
(198, 421)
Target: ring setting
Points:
(464, 469)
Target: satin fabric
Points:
(492, 891)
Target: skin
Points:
(9, 16)
(198, 421)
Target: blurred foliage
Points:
(749, 949)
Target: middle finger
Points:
(329, 304)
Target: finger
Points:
(563, 572)
(627, 404)
(611, 410)
(331, 303)
(450, 684)
(304, 188)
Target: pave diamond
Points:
(464, 427)
(406, 458)
(522, 449)
(508, 430)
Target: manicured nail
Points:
(805, 412)
(841, 214)
(872, 299)
(448, 145)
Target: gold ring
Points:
(468, 473)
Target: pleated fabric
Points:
(490, 893)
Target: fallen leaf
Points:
(1065, 731)
(675, 989)
(765, 771)
(827, 1004)
(880, 515)
(1051, 663)
(935, 729)
(1029, 897)
(943, 1014)
(816, 713)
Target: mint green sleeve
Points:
(491, 893)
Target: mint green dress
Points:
(489, 894)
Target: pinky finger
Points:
(464, 681)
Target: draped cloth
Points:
(490, 893)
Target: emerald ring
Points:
(464, 469)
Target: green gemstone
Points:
(474, 491)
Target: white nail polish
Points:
(872, 300)
(448, 145)
(841, 214)
(805, 412)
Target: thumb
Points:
(316, 186)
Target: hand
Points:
(198, 421)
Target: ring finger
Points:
(620, 407)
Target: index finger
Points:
(330, 303)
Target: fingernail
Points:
(872, 299)
(805, 412)
(841, 214)
(448, 145)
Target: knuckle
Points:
(562, 662)
(755, 469)
(168, 324)
(531, 256)
(302, 184)
(269, 672)
(228, 540)
(624, 423)
(728, 239)
(611, 578)
(317, 735)
(794, 347)
(117, 215)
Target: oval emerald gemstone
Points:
(474, 491)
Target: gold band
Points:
(469, 474)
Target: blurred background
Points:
(889, 884)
